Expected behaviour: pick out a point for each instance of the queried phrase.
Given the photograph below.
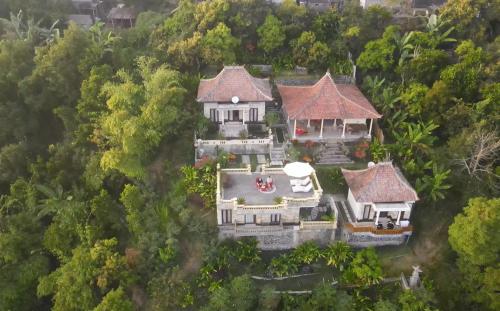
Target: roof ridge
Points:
(220, 79)
(218, 76)
(253, 83)
(352, 102)
(310, 102)
(403, 180)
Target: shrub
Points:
(240, 201)
(284, 265)
(272, 118)
(246, 251)
(337, 254)
(365, 269)
(278, 200)
(306, 253)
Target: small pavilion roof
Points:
(326, 100)
(121, 12)
(381, 183)
(234, 81)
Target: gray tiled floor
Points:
(245, 159)
(261, 159)
(243, 186)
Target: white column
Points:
(221, 113)
(321, 129)
(243, 115)
(308, 123)
(376, 218)
(335, 123)
(371, 125)
(343, 130)
(294, 128)
(399, 217)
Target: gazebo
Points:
(327, 110)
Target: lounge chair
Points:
(302, 188)
(300, 182)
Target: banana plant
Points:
(31, 29)
(435, 185)
(434, 26)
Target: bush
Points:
(337, 254)
(306, 253)
(284, 265)
(272, 118)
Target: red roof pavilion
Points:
(381, 183)
(326, 100)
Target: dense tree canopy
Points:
(101, 209)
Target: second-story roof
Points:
(234, 81)
(378, 184)
(326, 100)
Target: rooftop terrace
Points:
(236, 185)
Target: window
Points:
(214, 115)
(227, 216)
(367, 211)
(254, 114)
(250, 219)
(275, 218)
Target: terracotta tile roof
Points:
(234, 81)
(380, 183)
(326, 100)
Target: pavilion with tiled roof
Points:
(330, 105)
(379, 191)
(233, 99)
(234, 81)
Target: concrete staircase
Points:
(333, 154)
(277, 155)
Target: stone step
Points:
(276, 163)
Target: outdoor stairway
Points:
(277, 156)
(333, 154)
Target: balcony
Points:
(366, 227)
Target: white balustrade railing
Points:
(332, 225)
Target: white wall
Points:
(357, 208)
(245, 107)
(290, 215)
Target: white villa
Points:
(379, 205)
(280, 219)
(234, 99)
(327, 111)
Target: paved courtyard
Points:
(243, 186)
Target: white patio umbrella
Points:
(298, 169)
